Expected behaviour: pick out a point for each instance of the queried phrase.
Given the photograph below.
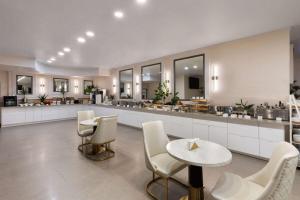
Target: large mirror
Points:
(151, 78)
(60, 84)
(24, 84)
(87, 84)
(189, 78)
(126, 80)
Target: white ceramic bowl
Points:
(296, 137)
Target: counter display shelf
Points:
(251, 137)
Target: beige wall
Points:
(48, 81)
(256, 69)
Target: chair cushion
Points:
(86, 132)
(165, 165)
(233, 187)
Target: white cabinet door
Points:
(266, 148)
(29, 114)
(243, 144)
(12, 116)
(243, 130)
(218, 135)
(37, 114)
(178, 126)
(200, 129)
(128, 118)
(269, 139)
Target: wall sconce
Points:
(76, 87)
(42, 85)
(137, 83)
(114, 86)
(215, 78)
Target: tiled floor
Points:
(41, 162)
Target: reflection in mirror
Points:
(151, 77)
(86, 84)
(189, 77)
(60, 84)
(125, 80)
(24, 84)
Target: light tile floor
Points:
(41, 162)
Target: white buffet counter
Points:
(257, 139)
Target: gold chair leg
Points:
(166, 189)
(165, 183)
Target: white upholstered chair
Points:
(104, 134)
(273, 182)
(156, 157)
(84, 131)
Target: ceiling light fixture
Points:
(119, 14)
(186, 68)
(81, 40)
(67, 49)
(90, 34)
(61, 53)
(141, 1)
(49, 61)
(53, 59)
(195, 66)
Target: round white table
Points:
(208, 154)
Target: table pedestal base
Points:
(196, 190)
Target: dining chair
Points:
(84, 131)
(157, 158)
(273, 182)
(102, 138)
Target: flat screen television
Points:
(193, 83)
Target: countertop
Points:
(210, 117)
(201, 116)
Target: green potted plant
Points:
(245, 107)
(161, 93)
(175, 99)
(42, 98)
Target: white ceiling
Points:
(40, 28)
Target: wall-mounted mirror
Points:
(189, 80)
(60, 84)
(151, 77)
(24, 84)
(86, 84)
(126, 80)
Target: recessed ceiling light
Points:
(90, 34)
(49, 61)
(53, 59)
(141, 1)
(67, 49)
(195, 66)
(80, 40)
(186, 68)
(61, 53)
(119, 14)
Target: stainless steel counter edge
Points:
(209, 117)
